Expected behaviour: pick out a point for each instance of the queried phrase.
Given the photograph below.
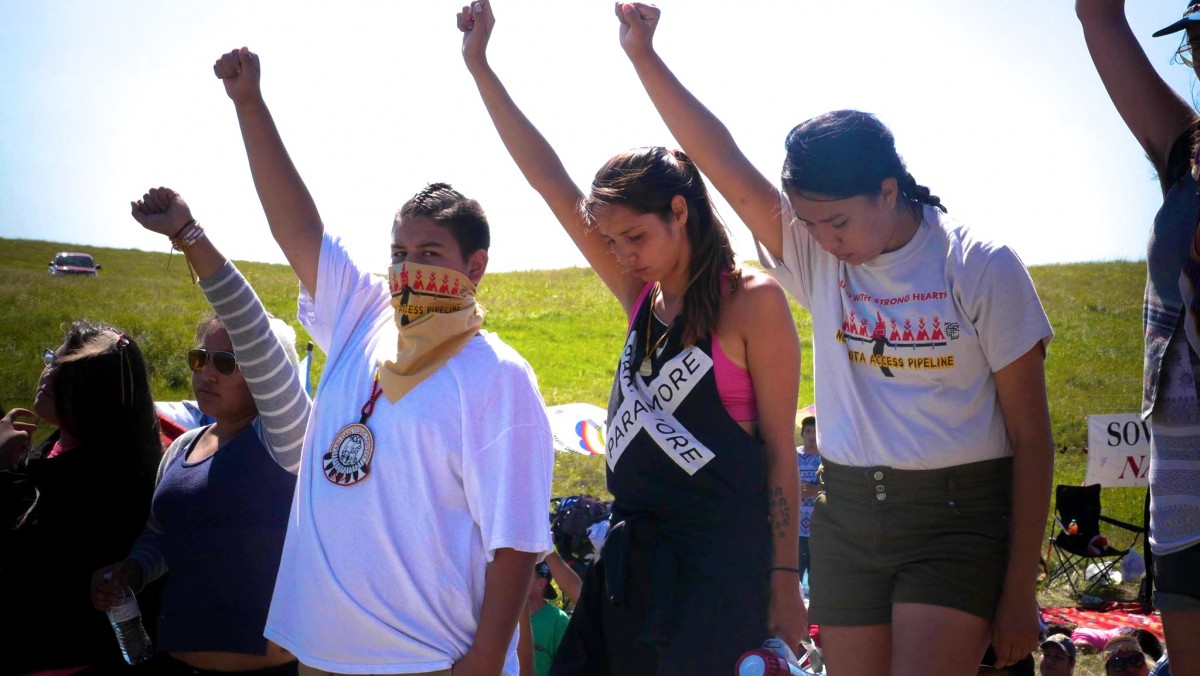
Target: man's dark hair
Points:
(449, 208)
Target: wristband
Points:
(785, 569)
(185, 225)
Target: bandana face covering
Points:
(436, 313)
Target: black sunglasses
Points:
(1121, 661)
(224, 362)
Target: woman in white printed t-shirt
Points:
(929, 349)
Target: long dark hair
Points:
(102, 396)
(846, 153)
(646, 180)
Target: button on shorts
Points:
(882, 536)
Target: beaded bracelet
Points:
(188, 235)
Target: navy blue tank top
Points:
(223, 519)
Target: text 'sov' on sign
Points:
(1118, 451)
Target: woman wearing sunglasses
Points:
(76, 501)
(1168, 129)
(219, 513)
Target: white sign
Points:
(1118, 450)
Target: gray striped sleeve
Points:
(283, 405)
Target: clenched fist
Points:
(240, 72)
(161, 210)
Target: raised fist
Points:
(476, 23)
(240, 72)
(161, 210)
(638, 22)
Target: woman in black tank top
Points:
(701, 562)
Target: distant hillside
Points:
(563, 321)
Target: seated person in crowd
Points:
(1058, 656)
(1123, 655)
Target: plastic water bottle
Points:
(775, 658)
(126, 619)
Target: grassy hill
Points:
(563, 321)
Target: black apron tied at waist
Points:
(646, 553)
(642, 569)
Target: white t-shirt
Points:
(387, 575)
(905, 345)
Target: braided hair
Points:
(845, 153)
(449, 208)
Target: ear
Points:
(477, 265)
(679, 211)
(889, 192)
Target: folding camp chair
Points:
(1071, 553)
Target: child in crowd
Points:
(548, 620)
(808, 459)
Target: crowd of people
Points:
(397, 523)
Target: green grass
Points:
(563, 321)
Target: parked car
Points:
(71, 263)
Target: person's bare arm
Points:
(525, 643)
(566, 577)
(536, 158)
(505, 588)
(291, 212)
(773, 360)
(701, 135)
(1021, 389)
(1153, 112)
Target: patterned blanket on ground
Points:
(1111, 615)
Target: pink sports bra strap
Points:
(734, 385)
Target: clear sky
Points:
(995, 106)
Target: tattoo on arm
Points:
(780, 512)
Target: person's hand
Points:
(14, 435)
(108, 582)
(787, 617)
(638, 22)
(809, 491)
(161, 210)
(240, 71)
(476, 23)
(1015, 627)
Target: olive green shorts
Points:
(882, 536)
